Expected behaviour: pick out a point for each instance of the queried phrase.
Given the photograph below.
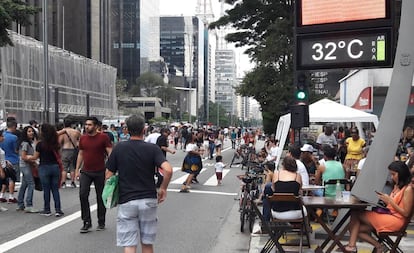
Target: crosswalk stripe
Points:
(213, 179)
(181, 179)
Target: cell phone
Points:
(377, 192)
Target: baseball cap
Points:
(306, 148)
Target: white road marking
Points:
(213, 179)
(42, 230)
(205, 192)
(182, 179)
(66, 219)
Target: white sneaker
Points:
(3, 209)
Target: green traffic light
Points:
(300, 95)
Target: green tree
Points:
(217, 112)
(265, 27)
(148, 84)
(14, 11)
(121, 86)
(168, 94)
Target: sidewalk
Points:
(257, 241)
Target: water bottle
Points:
(338, 190)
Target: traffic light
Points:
(302, 93)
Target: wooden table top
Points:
(331, 202)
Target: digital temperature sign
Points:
(344, 50)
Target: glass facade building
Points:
(226, 80)
(182, 47)
(134, 37)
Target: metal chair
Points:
(300, 225)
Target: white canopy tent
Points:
(324, 110)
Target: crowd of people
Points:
(321, 161)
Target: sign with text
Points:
(344, 49)
(332, 34)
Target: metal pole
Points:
(45, 62)
(190, 78)
(56, 105)
(218, 114)
(87, 105)
(382, 151)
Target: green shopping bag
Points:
(110, 192)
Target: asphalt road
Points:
(204, 220)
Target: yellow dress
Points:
(354, 148)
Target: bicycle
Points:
(245, 153)
(249, 193)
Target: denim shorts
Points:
(137, 216)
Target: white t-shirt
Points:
(152, 138)
(191, 147)
(303, 172)
(324, 139)
(272, 154)
(219, 166)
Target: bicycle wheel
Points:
(252, 218)
(243, 211)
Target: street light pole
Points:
(217, 105)
(190, 75)
(45, 63)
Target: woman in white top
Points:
(192, 163)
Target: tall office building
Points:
(134, 37)
(182, 47)
(79, 26)
(226, 80)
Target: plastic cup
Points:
(346, 196)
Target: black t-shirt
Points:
(162, 142)
(135, 161)
(47, 157)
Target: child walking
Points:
(219, 166)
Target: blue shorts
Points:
(137, 216)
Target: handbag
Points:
(59, 162)
(110, 193)
(381, 210)
(36, 178)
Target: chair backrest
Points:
(288, 197)
(343, 181)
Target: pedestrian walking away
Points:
(94, 147)
(134, 161)
(47, 150)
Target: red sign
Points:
(315, 12)
(364, 100)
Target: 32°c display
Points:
(344, 50)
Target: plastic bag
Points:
(110, 194)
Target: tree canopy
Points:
(14, 11)
(265, 27)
